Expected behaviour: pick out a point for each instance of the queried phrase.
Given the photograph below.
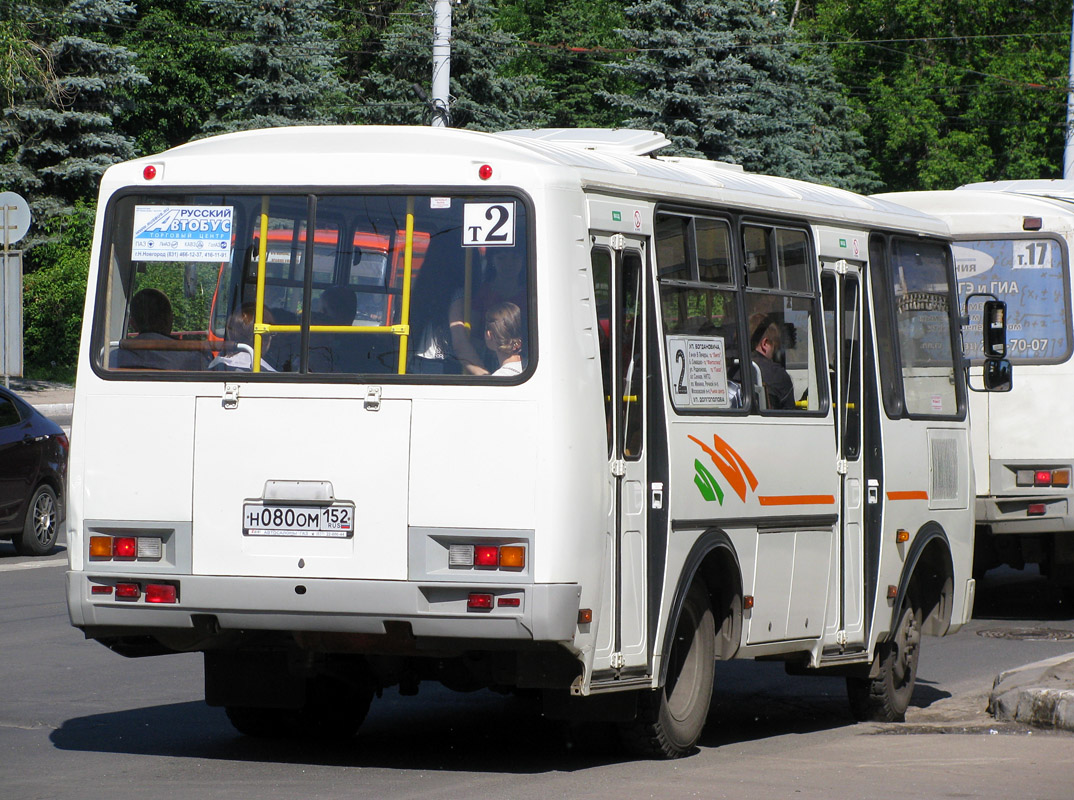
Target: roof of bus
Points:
(969, 210)
(597, 158)
(1058, 188)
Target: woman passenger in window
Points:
(504, 280)
(503, 336)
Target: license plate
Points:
(333, 522)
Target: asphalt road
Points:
(77, 721)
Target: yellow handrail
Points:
(259, 307)
(408, 262)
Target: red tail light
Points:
(161, 593)
(479, 601)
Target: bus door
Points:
(619, 278)
(841, 285)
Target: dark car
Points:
(33, 472)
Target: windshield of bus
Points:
(292, 285)
(1030, 275)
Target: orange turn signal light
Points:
(513, 556)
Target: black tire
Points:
(42, 525)
(886, 697)
(334, 710)
(670, 719)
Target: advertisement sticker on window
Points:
(182, 233)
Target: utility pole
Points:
(1068, 151)
(442, 63)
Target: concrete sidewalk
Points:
(54, 400)
(1040, 694)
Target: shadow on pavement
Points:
(1012, 594)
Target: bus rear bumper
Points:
(530, 612)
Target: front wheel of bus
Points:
(886, 697)
(670, 719)
(334, 710)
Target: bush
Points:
(54, 295)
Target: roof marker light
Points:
(485, 172)
(149, 172)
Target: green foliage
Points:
(187, 74)
(570, 45)
(727, 81)
(54, 294)
(487, 92)
(58, 136)
(286, 64)
(957, 90)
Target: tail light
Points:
(488, 556)
(126, 548)
(1057, 478)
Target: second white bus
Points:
(1012, 240)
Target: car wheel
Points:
(41, 528)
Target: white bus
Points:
(1012, 240)
(533, 411)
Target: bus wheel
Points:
(886, 697)
(334, 710)
(670, 719)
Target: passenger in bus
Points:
(153, 346)
(335, 352)
(439, 282)
(238, 352)
(775, 380)
(503, 336)
(504, 280)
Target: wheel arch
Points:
(927, 580)
(712, 558)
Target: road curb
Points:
(1038, 694)
(56, 409)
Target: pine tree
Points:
(187, 74)
(725, 80)
(570, 45)
(287, 63)
(488, 89)
(58, 136)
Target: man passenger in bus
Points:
(335, 352)
(151, 319)
(503, 336)
(775, 380)
(504, 280)
(240, 336)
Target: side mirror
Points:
(994, 329)
(997, 375)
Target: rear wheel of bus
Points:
(885, 697)
(670, 719)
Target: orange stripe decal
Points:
(912, 495)
(796, 500)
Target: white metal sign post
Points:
(14, 222)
